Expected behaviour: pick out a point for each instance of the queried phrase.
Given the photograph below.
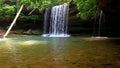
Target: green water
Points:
(72, 52)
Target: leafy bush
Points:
(7, 9)
(87, 8)
(31, 17)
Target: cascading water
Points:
(100, 22)
(46, 19)
(58, 24)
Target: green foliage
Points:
(7, 9)
(1, 2)
(87, 8)
(58, 2)
(41, 4)
(31, 17)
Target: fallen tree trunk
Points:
(14, 21)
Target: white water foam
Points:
(58, 25)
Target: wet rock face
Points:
(111, 8)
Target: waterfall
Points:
(100, 28)
(100, 21)
(58, 25)
(46, 19)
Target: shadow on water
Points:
(116, 41)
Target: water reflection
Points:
(57, 44)
(58, 51)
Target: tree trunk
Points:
(12, 24)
